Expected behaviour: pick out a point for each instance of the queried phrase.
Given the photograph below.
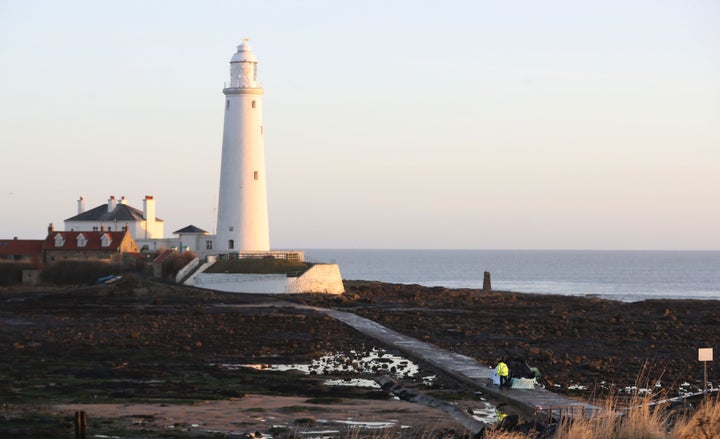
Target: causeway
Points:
(538, 401)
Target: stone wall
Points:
(320, 278)
(243, 283)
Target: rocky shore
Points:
(142, 342)
(591, 342)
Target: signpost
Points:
(705, 355)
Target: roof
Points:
(244, 53)
(190, 229)
(21, 246)
(93, 240)
(136, 255)
(164, 255)
(122, 212)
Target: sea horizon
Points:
(625, 275)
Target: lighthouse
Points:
(242, 218)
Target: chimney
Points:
(112, 202)
(81, 205)
(102, 227)
(149, 214)
(123, 200)
(51, 228)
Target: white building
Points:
(117, 215)
(242, 220)
(196, 240)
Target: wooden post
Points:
(80, 425)
(486, 282)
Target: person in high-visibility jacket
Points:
(502, 371)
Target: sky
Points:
(388, 124)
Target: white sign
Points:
(705, 354)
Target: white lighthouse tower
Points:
(242, 221)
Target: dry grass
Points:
(703, 424)
(640, 420)
(505, 435)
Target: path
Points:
(536, 401)
(464, 368)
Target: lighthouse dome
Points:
(244, 53)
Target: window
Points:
(256, 175)
(231, 244)
(59, 240)
(95, 229)
(106, 240)
(227, 104)
(231, 228)
(261, 130)
(253, 104)
(81, 240)
(208, 245)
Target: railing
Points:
(229, 85)
(288, 255)
(183, 273)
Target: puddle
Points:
(487, 414)
(354, 382)
(373, 362)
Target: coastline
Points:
(138, 341)
(624, 275)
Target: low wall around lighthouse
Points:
(320, 278)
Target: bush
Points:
(79, 272)
(174, 263)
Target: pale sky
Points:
(388, 124)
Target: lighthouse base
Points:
(320, 278)
(273, 272)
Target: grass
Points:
(640, 420)
(258, 266)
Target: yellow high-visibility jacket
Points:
(501, 369)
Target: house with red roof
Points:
(88, 245)
(22, 250)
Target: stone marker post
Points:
(486, 282)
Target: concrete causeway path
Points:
(536, 401)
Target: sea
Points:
(627, 276)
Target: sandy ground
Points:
(262, 413)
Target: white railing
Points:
(289, 255)
(186, 269)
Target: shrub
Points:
(11, 272)
(174, 263)
(79, 272)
